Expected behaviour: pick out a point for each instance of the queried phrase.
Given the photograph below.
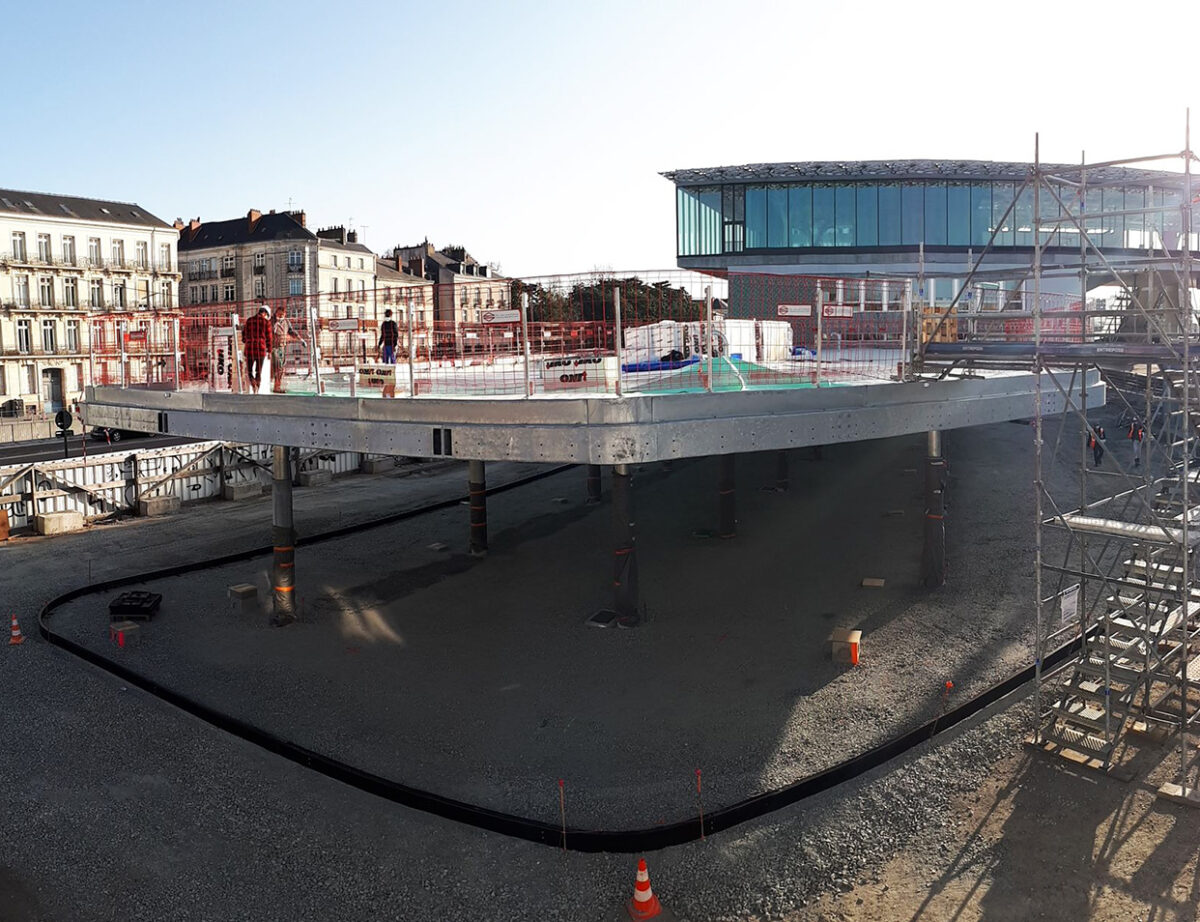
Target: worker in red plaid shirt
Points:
(256, 341)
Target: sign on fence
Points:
(501, 316)
(576, 372)
(837, 310)
(381, 375)
(342, 326)
(795, 310)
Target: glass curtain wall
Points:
(712, 220)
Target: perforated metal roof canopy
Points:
(899, 170)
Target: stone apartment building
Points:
(63, 261)
(465, 288)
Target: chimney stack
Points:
(178, 225)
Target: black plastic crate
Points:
(135, 605)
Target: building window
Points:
(44, 248)
(142, 254)
(193, 298)
(335, 287)
(212, 293)
(118, 295)
(3, 381)
(143, 292)
(21, 289)
(164, 294)
(24, 341)
(73, 336)
(164, 257)
(46, 291)
(79, 381)
(295, 286)
(230, 293)
(18, 246)
(49, 343)
(118, 253)
(96, 293)
(295, 259)
(227, 262)
(260, 288)
(260, 260)
(31, 381)
(69, 250)
(362, 290)
(71, 292)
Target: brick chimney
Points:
(352, 236)
(300, 217)
(178, 225)
(252, 217)
(194, 225)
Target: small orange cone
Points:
(644, 904)
(16, 637)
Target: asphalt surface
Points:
(78, 445)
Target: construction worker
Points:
(1136, 434)
(1096, 443)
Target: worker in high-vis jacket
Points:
(1136, 434)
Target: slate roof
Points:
(899, 170)
(278, 226)
(46, 204)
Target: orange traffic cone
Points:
(16, 637)
(644, 904)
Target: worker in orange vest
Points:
(1096, 443)
(1136, 434)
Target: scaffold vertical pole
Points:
(283, 570)
(1186, 319)
(477, 499)
(1039, 642)
(121, 343)
(625, 572)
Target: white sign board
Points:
(222, 354)
(573, 372)
(1070, 605)
(341, 326)
(381, 375)
(795, 310)
(502, 316)
(838, 310)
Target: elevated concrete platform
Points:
(585, 430)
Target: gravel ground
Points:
(117, 806)
(423, 666)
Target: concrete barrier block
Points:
(158, 505)
(316, 477)
(376, 465)
(241, 490)
(57, 523)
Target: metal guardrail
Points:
(112, 484)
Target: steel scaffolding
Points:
(1115, 548)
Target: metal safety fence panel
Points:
(113, 483)
(547, 336)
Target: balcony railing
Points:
(260, 270)
(295, 267)
(194, 274)
(228, 272)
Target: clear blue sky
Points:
(533, 132)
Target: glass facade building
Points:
(898, 214)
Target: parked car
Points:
(111, 434)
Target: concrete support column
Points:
(593, 484)
(477, 492)
(726, 488)
(625, 573)
(283, 536)
(782, 482)
(933, 558)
